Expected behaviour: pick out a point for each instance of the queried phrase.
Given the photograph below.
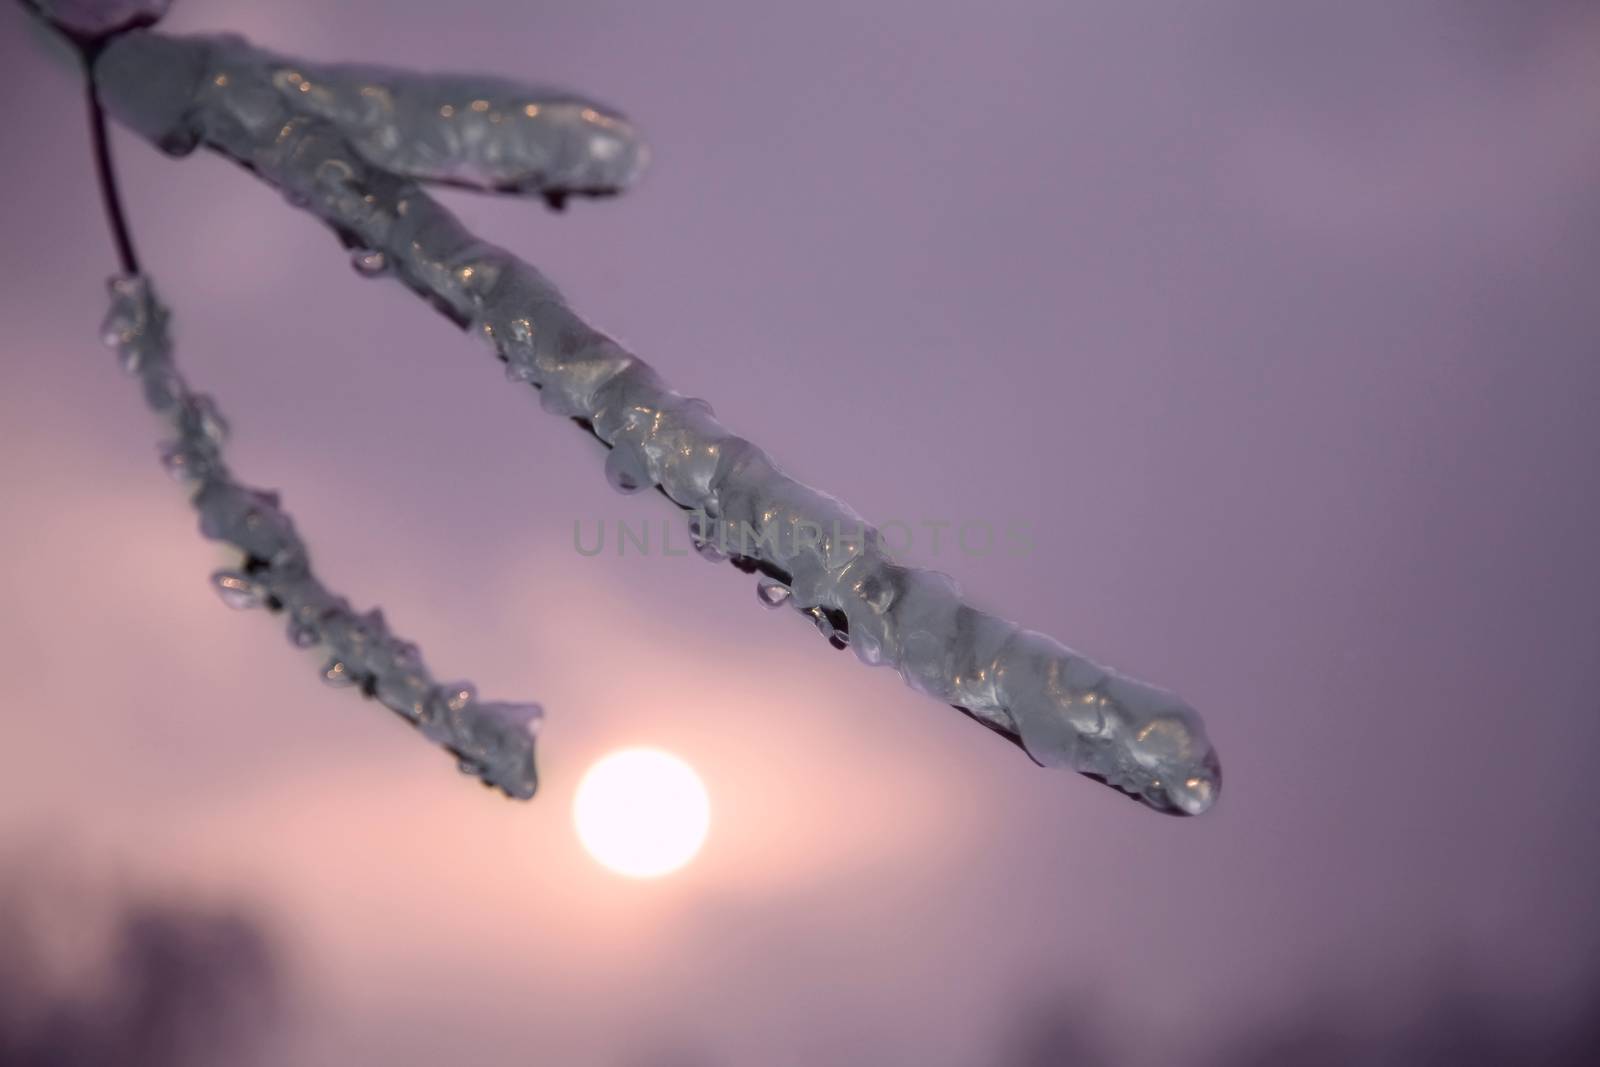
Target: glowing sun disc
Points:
(641, 812)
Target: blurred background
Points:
(1275, 321)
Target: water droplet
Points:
(237, 590)
(624, 470)
(876, 592)
(772, 594)
(868, 650)
(458, 695)
(337, 673)
(122, 322)
(704, 534)
(369, 262)
(128, 286)
(836, 637)
(176, 462)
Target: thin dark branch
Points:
(110, 195)
(88, 45)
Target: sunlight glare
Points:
(641, 812)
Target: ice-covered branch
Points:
(353, 145)
(482, 133)
(492, 740)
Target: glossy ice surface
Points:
(353, 144)
(492, 740)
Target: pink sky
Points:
(1280, 328)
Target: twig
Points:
(322, 136)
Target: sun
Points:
(641, 812)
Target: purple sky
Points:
(1276, 322)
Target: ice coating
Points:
(476, 131)
(1064, 710)
(480, 132)
(494, 741)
